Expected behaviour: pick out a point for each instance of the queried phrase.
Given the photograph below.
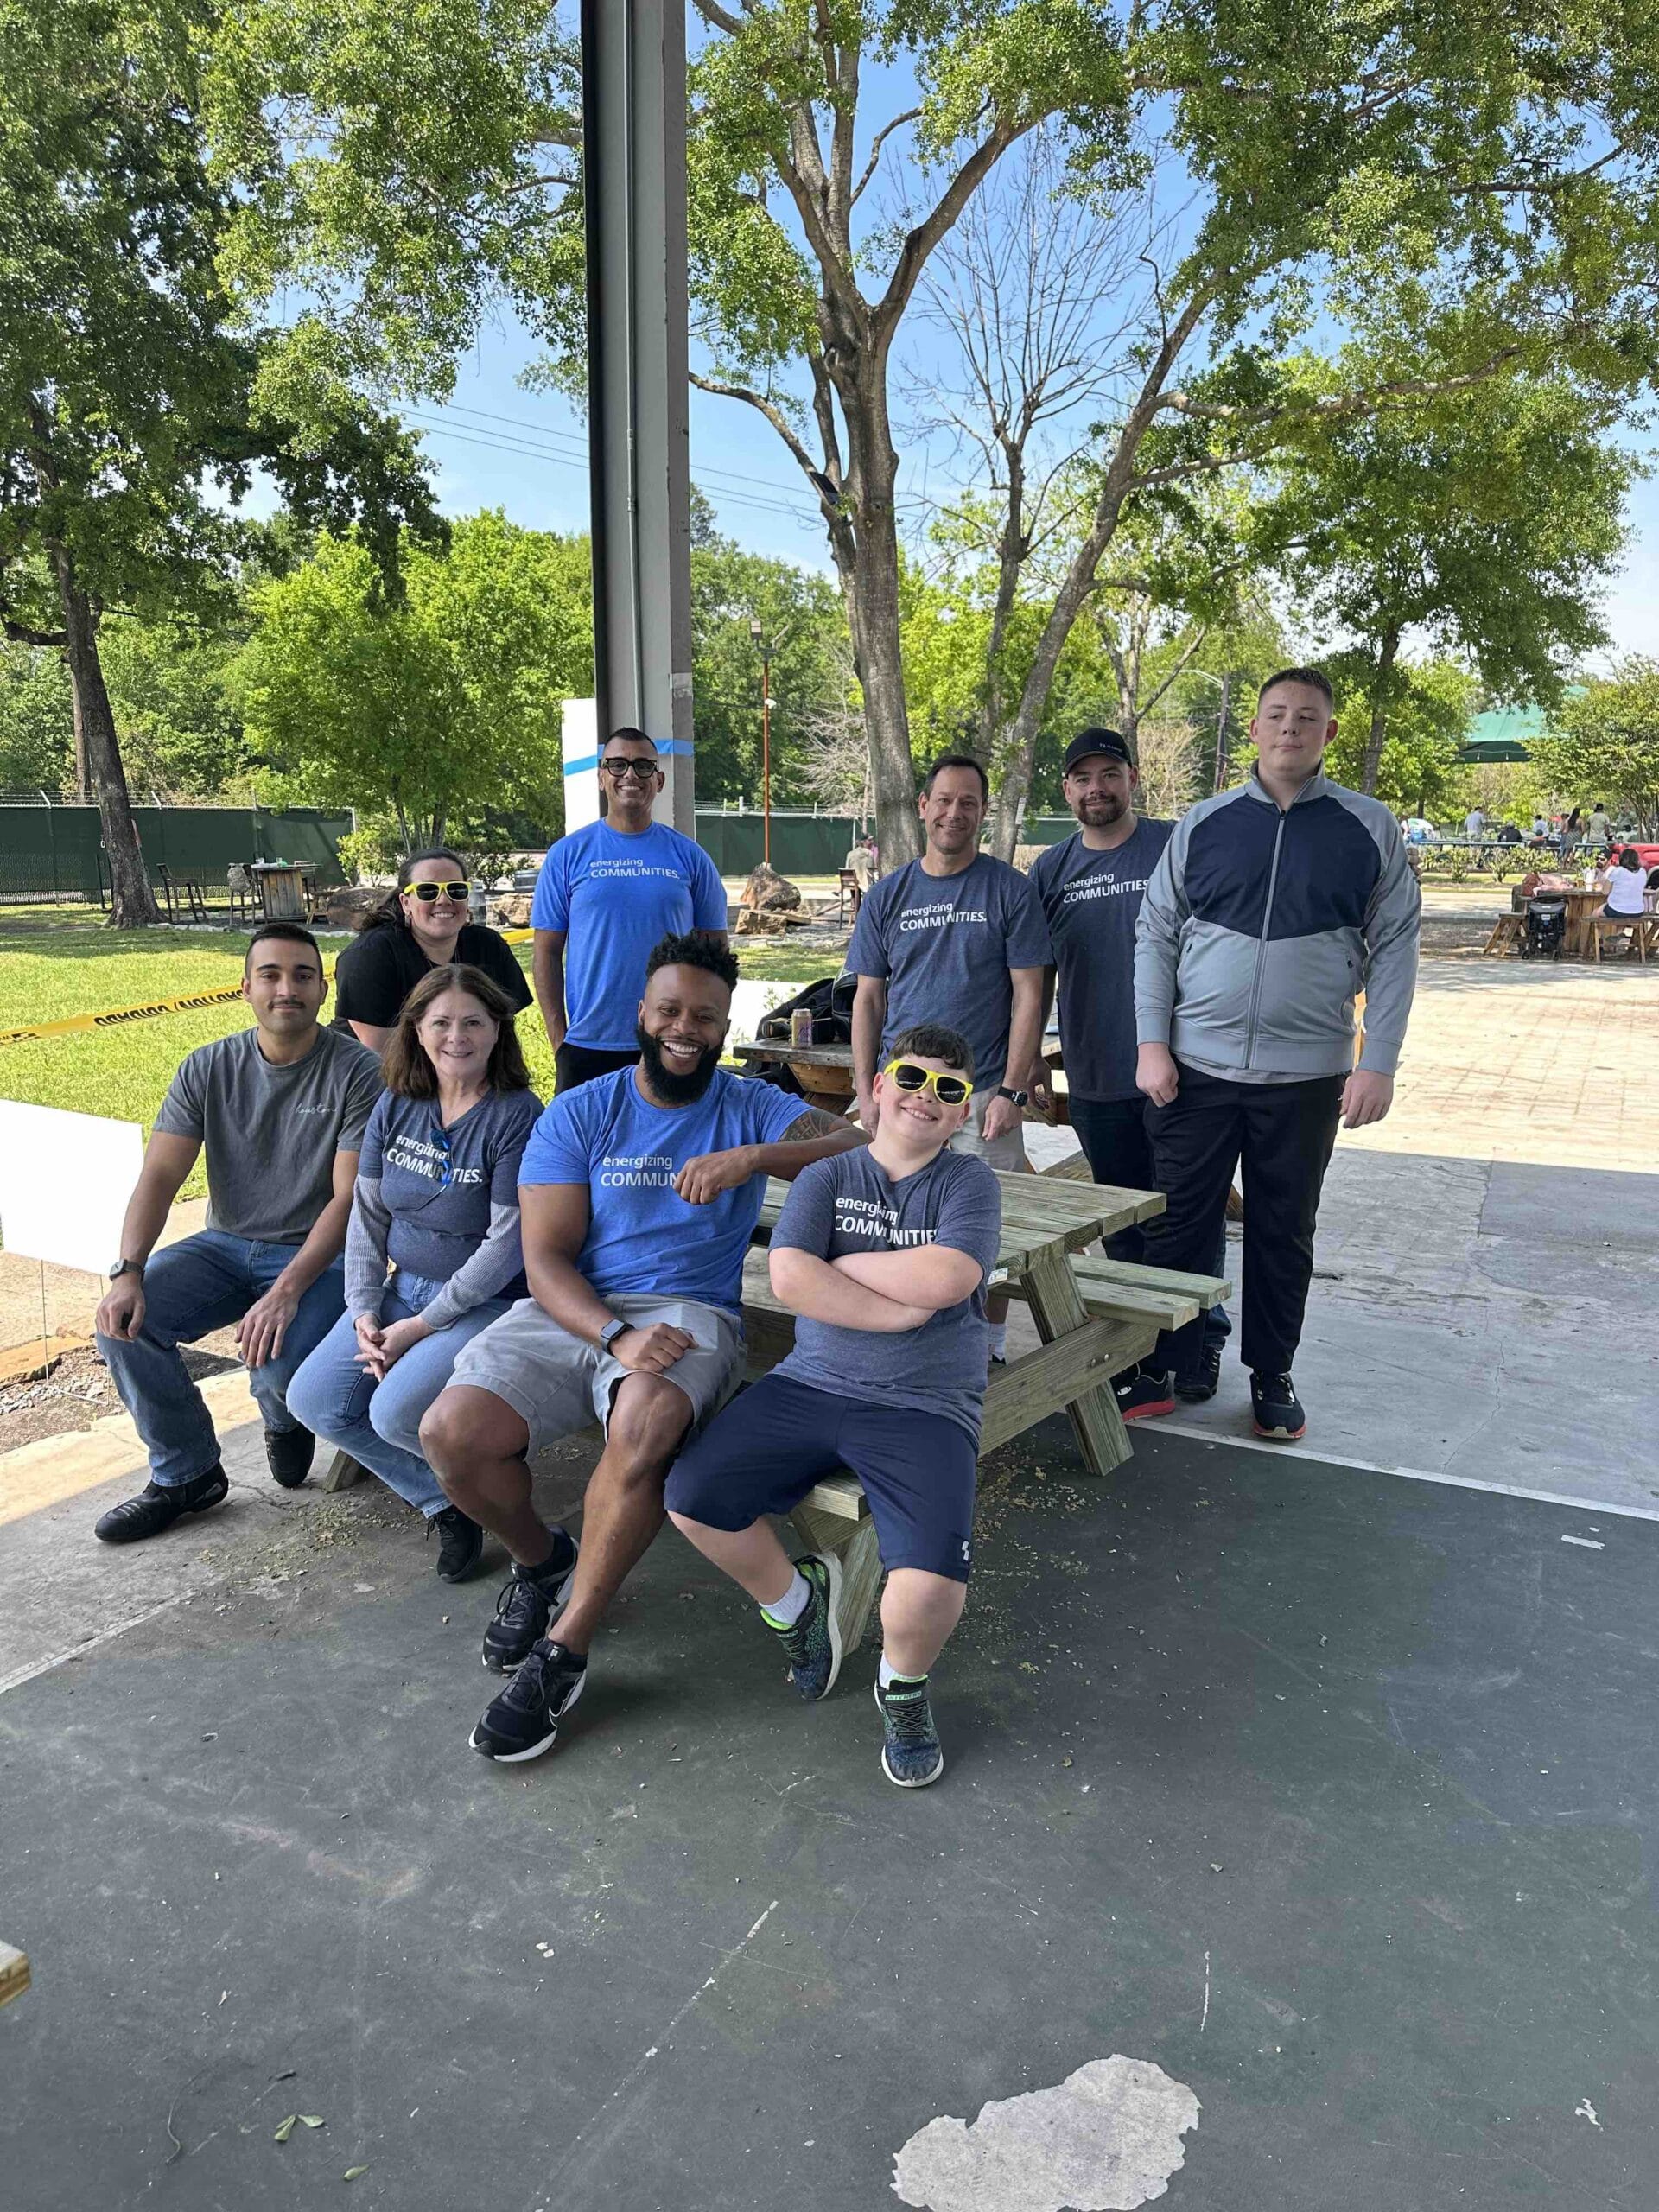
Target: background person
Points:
(884, 1254)
(958, 937)
(436, 1200)
(1625, 881)
(640, 1190)
(1273, 903)
(606, 895)
(1090, 886)
(281, 1108)
(419, 925)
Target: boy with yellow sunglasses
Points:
(883, 1254)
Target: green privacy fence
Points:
(814, 844)
(54, 852)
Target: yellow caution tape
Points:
(113, 1017)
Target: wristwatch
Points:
(611, 1330)
(1013, 1098)
(126, 1267)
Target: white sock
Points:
(887, 1674)
(999, 1339)
(793, 1603)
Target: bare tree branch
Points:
(910, 114)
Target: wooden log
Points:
(1030, 1389)
(343, 1472)
(14, 1974)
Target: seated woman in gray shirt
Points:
(437, 1202)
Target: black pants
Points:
(1115, 1143)
(1283, 1133)
(574, 1063)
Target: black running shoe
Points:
(288, 1454)
(813, 1643)
(911, 1756)
(1276, 1409)
(1199, 1388)
(158, 1505)
(524, 1721)
(1146, 1398)
(460, 1543)
(529, 1599)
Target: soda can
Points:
(800, 1026)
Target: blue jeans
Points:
(191, 1288)
(1113, 1135)
(379, 1423)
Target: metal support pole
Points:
(633, 170)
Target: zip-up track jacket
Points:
(1259, 925)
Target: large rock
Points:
(758, 921)
(510, 911)
(347, 906)
(768, 893)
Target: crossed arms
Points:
(886, 1292)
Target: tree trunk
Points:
(132, 903)
(1383, 684)
(871, 591)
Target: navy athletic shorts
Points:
(763, 1451)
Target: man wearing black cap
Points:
(1090, 888)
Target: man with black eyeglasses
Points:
(606, 895)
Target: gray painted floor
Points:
(1331, 1793)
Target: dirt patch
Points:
(1458, 936)
(80, 1390)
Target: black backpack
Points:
(830, 1003)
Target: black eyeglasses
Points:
(426, 891)
(619, 771)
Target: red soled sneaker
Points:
(1276, 1409)
(1147, 1395)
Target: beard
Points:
(1103, 808)
(674, 1089)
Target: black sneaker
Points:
(1147, 1396)
(158, 1505)
(529, 1599)
(1276, 1409)
(288, 1454)
(813, 1643)
(1199, 1388)
(524, 1721)
(911, 1756)
(460, 1543)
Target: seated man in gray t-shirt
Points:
(884, 1254)
(281, 1108)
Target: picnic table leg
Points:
(860, 1564)
(1057, 1308)
(343, 1472)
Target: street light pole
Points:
(756, 632)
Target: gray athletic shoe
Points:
(813, 1643)
(911, 1756)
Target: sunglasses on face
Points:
(619, 771)
(948, 1090)
(426, 893)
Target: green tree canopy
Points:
(440, 709)
(1432, 706)
(1602, 741)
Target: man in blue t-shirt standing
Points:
(639, 1193)
(1092, 886)
(884, 1254)
(606, 895)
(956, 936)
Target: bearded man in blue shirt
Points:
(639, 1193)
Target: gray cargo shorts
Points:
(556, 1384)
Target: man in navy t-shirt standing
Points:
(1092, 886)
(606, 895)
(955, 937)
(638, 1194)
(884, 1254)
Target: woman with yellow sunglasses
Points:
(420, 924)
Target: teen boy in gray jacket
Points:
(1273, 906)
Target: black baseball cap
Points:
(1088, 742)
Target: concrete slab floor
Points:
(1331, 1794)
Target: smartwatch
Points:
(1013, 1098)
(611, 1330)
(126, 1267)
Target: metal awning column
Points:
(633, 164)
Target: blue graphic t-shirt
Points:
(614, 896)
(1092, 901)
(943, 945)
(643, 1240)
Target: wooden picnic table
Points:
(823, 1071)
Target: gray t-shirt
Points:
(943, 945)
(1091, 901)
(271, 1133)
(442, 1204)
(848, 1203)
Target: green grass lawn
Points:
(53, 962)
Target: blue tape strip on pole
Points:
(682, 746)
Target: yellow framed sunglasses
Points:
(948, 1090)
(426, 891)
